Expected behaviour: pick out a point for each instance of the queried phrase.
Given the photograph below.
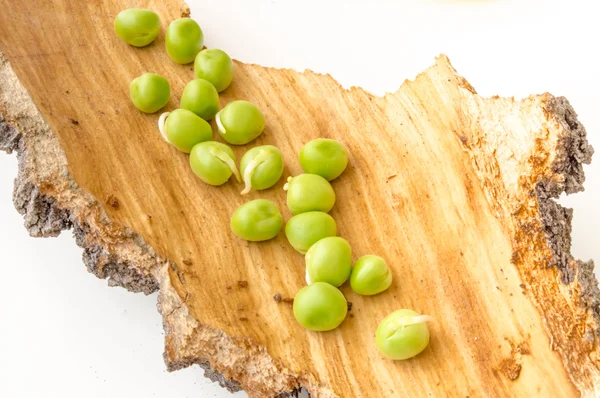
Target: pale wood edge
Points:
(50, 202)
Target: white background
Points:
(65, 334)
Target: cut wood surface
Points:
(454, 190)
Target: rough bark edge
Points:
(578, 277)
(573, 151)
(45, 217)
(236, 362)
(216, 377)
(590, 294)
(42, 216)
(107, 266)
(564, 293)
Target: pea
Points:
(149, 92)
(320, 307)
(329, 260)
(213, 162)
(306, 229)
(240, 122)
(325, 157)
(403, 334)
(215, 66)
(137, 26)
(184, 40)
(370, 275)
(183, 129)
(309, 192)
(200, 97)
(261, 167)
(256, 221)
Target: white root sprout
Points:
(415, 320)
(161, 126)
(287, 184)
(220, 126)
(222, 156)
(307, 278)
(408, 321)
(262, 157)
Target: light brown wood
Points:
(453, 189)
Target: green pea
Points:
(184, 40)
(149, 92)
(200, 97)
(183, 129)
(261, 167)
(320, 307)
(370, 275)
(306, 229)
(213, 162)
(240, 122)
(215, 66)
(137, 26)
(325, 157)
(403, 334)
(257, 221)
(309, 192)
(330, 261)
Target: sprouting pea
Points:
(240, 122)
(213, 162)
(306, 229)
(403, 334)
(257, 220)
(261, 167)
(149, 92)
(137, 26)
(370, 275)
(309, 192)
(329, 260)
(184, 40)
(320, 307)
(215, 66)
(200, 97)
(184, 129)
(325, 157)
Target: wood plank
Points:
(453, 189)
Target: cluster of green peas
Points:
(319, 306)
(188, 128)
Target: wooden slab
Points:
(455, 190)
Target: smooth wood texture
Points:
(412, 193)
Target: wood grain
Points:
(451, 188)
